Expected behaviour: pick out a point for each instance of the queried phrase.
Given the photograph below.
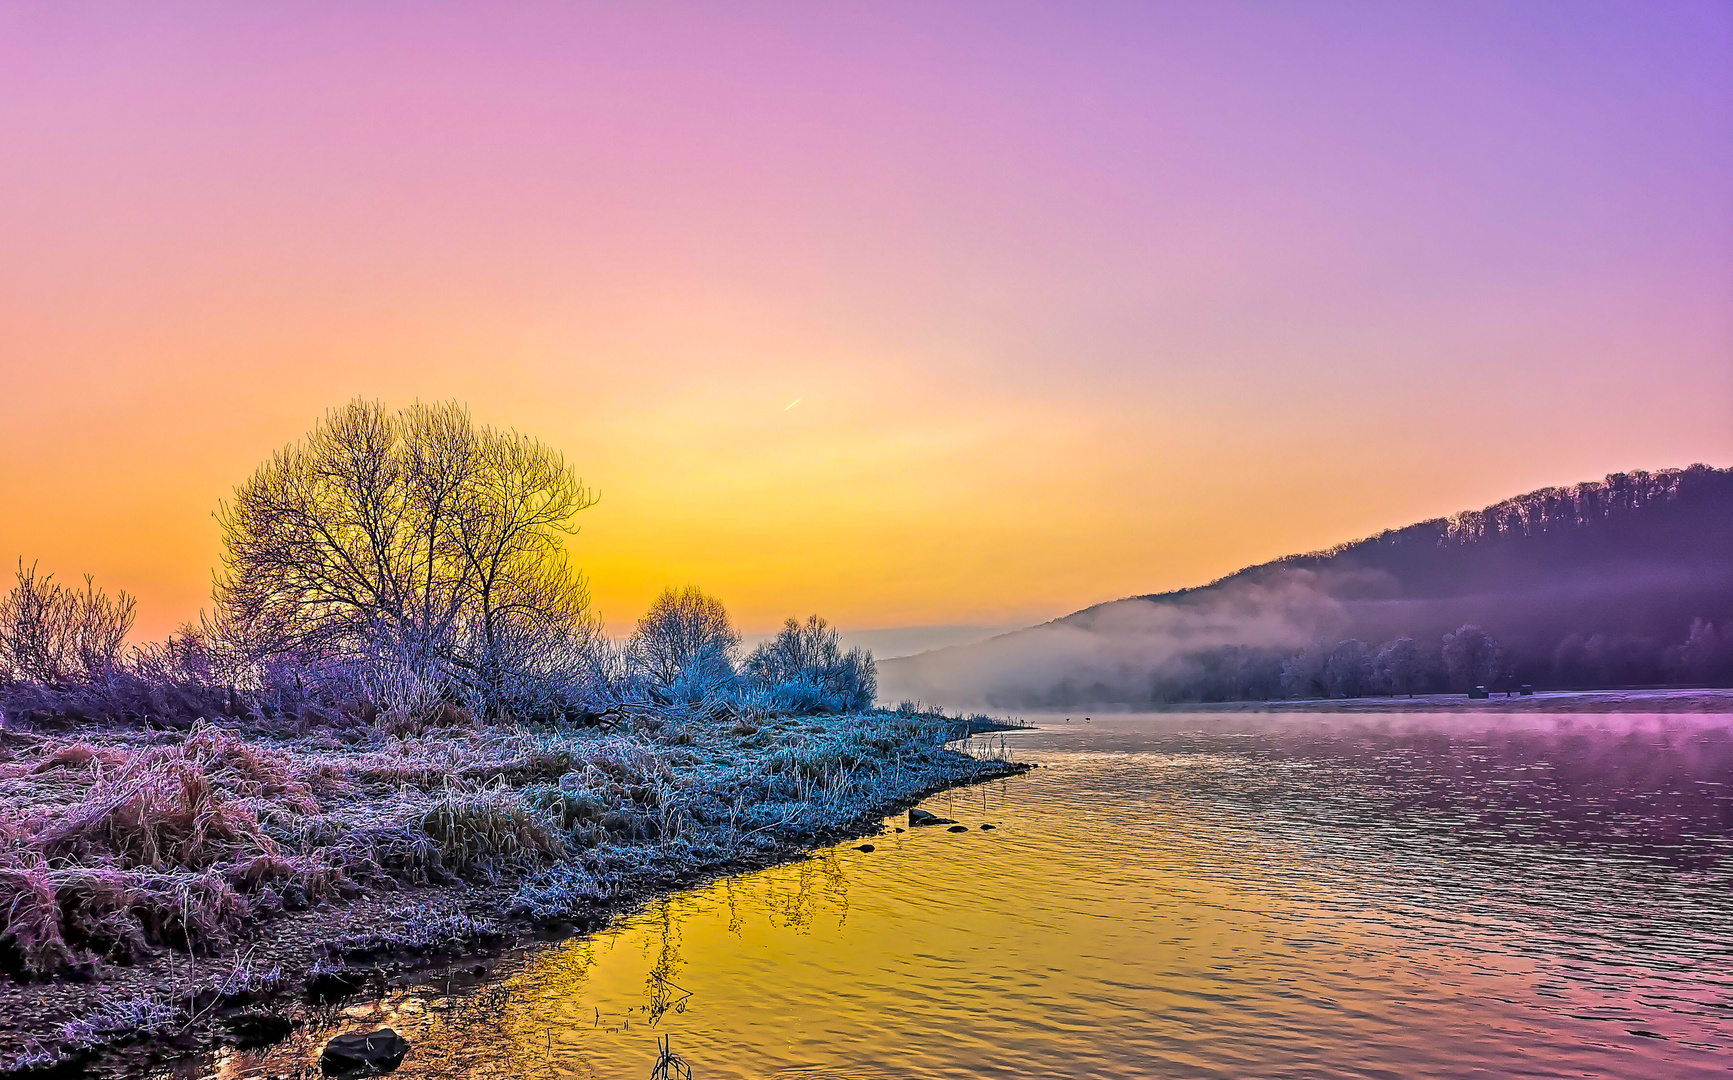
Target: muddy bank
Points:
(174, 892)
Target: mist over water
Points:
(1186, 896)
(1119, 647)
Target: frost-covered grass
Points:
(116, 846)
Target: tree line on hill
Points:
(1621, 582)
(401, 568)
(1459, 661)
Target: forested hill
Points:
(1628, 581)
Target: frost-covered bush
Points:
(804, 670)
(683, 648)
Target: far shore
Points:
(1552, 701)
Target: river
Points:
(1207, 895)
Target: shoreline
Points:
(1701, 700)
(287, 968)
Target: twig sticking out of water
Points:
(669, 1065)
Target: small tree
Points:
(686, 635)
(805, 669)
(1399, 665)
(1472, 657)
(54, 635)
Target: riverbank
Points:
(167, 891)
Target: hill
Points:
(1626, 581)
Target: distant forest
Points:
(1617, 583)
(1624, 582)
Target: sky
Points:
(911, 314)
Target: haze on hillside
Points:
(1621, 582)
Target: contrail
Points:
(791, 405)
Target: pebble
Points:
(359, 1012)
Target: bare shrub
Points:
(54, 635)
(804, 670)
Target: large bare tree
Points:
(415, 536)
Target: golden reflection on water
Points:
(1135, 912)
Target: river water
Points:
(1208, 895)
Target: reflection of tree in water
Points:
(791, 897)
(660, 988)
(733, 906)
(794, 905)
(538, 1014)
(835, 885)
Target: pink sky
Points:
(1077, 301)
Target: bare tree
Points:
(686, 632)
(414, 536)
(55, 635)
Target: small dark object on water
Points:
(900, 830)
(258, 1028)
(363, 1053)
(865, 847)
(958, 828)
(987, 828)
(925, 817)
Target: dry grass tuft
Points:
(32, 943)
